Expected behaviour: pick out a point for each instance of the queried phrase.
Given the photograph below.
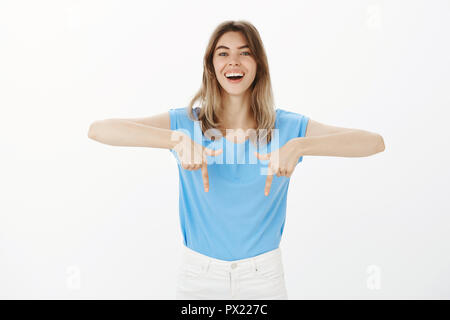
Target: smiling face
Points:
(232, 55)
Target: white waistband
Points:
(204, 260)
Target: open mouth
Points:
(235, 79)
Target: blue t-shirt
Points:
(234, 220)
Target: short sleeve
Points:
(174, 123)
(303, 123)
(179, 121)
(292, 124)
(173, 119)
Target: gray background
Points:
(84, 220)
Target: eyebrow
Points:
(224, 47)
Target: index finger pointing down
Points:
(205, 176)
(268, 181)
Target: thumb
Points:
(262, 156)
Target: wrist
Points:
(176, 137)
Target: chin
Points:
(235, 91)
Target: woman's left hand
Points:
(282, 162)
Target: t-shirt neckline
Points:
(197, 110)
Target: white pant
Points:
(203, 277)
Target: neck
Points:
(236, 112)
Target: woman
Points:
(231, 230)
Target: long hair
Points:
(261, 101)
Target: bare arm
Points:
(326, 140)
(122, 132)
(349, 143)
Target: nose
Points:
(234, 59)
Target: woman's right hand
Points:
(193, 156)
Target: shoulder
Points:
(293, 122)
(182, 111)
(289, 115)
(181, 117)
(185, 112)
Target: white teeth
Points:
(233, 74)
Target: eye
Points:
(242, 52)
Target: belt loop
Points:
(207, 265)
(255, 266)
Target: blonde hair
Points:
(261, 101)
